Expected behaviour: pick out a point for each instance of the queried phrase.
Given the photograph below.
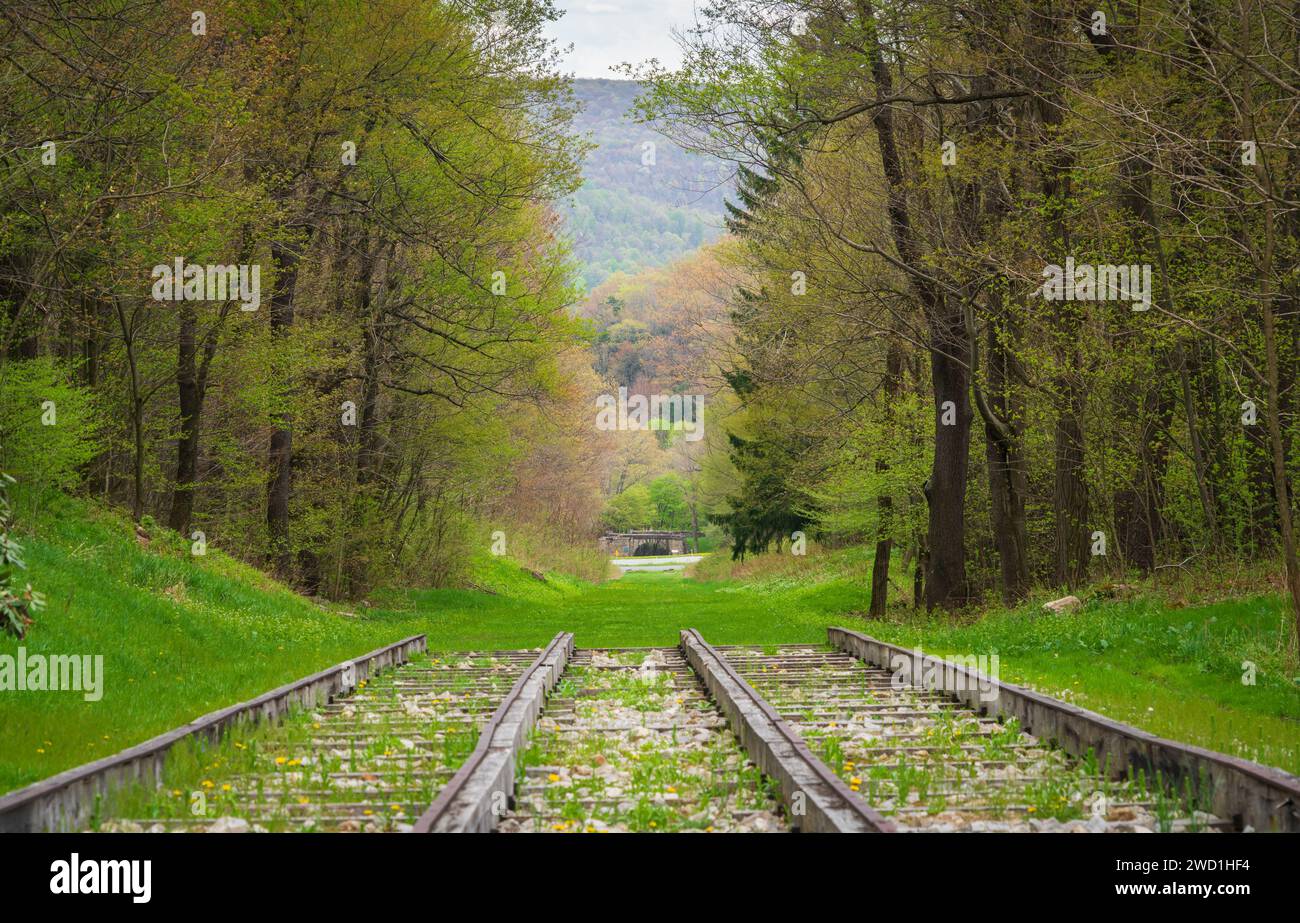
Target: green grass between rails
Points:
(182, 636)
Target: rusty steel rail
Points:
(817, 800)
(1249, 794)
(478, 794)
(67, 801)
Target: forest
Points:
(1008, 294)
(911, 364)
(950, 347)
(388, 174)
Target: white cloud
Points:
(604, 34)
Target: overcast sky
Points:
(608, 32)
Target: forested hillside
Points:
(289, 278)
(1010, 294)
(1022, 298)
(644, 200)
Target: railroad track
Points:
(630, 741)
(930, 763)
(738, 738)
(371, 761)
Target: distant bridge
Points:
(628, 543)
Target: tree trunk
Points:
(880, 578)
(1200, 467)
(893, 384)
(1139, 517)
(1273, 418)
(368, 437)
(1070, 496)
(918, 576)
(281, 450)
(189, 402)
(949, 366)
(1264, 259)
(945, 583)
(1008, 475)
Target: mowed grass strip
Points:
(636, 610)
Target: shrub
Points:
(48, 424)
(16, 605)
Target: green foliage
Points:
(668, 497)
(49, 425)
(393, 175)
(879, 458)
(632, 509)
(876, 253)
(662, 504)
(617, 230)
